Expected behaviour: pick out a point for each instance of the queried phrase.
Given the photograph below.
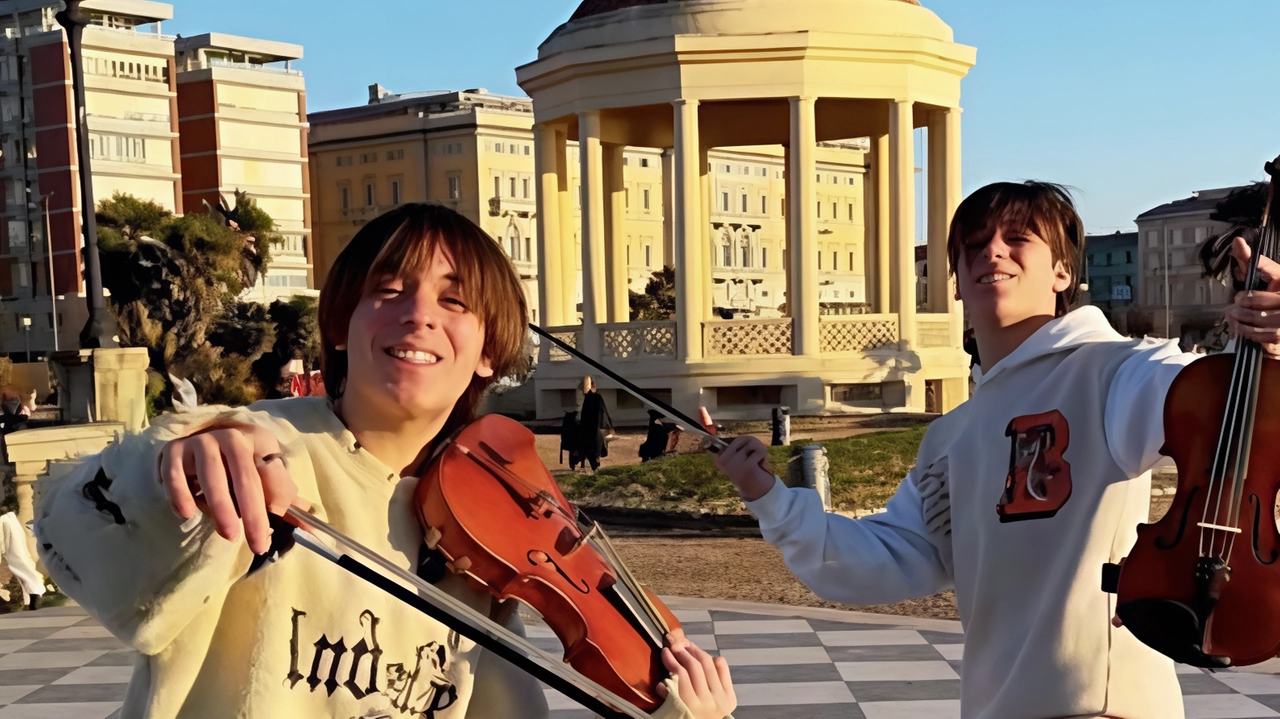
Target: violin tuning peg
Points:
(432, 538)
(459, 565)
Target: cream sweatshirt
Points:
(1039, 643)
(298, 637)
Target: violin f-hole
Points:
(1257, 517)
(1182, 524)
(537, 556)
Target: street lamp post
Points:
(99, 331)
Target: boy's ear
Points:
(1062, 278)
(484, 368)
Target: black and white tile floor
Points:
(787, 662)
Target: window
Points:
(646, 199)
(764, 256)
(527, 150)
(728, 256)
(1108, 259)
(851, 212)
(346, 198)
(513, 187)
(850, 180)
(497, 187)
(819, 180)
(644, 162)
(626, 161)
(835, 213)
(528, 249)
(834, 264)
(1128, 256)
(819, 210)
(850, 261)
(746, 256)
(497, 147)
(648, 256)
(724, 201)
(764, 204)
(512, 148)
(819, 260)
(525, 186)
(628, 255)
(368, 194)
(744, 204)
(395, 192)
(455, 187)
(626, 197)
(1153, 238)
(368, 157)
(395, 154)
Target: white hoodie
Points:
(1038, 636)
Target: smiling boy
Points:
(1021, 494)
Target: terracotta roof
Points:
(599, 7)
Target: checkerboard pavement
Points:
(787, 662)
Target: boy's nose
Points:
(421, 312)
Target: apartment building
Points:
(474, 151)
(130, 102)
(1174, 297)
(242, 120)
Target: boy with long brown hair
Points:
(155, 535)
(1020, 495)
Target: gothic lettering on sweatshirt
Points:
(1038, 482)
(416, 687)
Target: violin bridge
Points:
(1219, 527)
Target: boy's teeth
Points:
(995, 278)
(415, 356)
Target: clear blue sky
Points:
(1133, 103)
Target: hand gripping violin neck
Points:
(1202, 585)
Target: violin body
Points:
(1205, 596)
(491, 507)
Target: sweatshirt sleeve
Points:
(110, 539)
(1134, 421)
(880, 559)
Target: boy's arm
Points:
(1134, 419)
(901, 553)
(111, 540)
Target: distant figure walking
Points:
(569, 439)
(13, 546)
(658, 441)
(592, 421)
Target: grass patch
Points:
(865, 471)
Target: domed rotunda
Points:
(690, 77)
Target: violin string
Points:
(1265, 247)
(464, 612)
(1221, 461)
(1243, 440)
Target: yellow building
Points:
(474, 152)
(242, 117)
(699, 77)
(130, 99)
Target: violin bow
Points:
(717, 443)
(456, 615)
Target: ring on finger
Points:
(266, 459)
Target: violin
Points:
(1202, 585)
(492, 510)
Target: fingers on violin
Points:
(206, 466)
(1264, 301)
(1242, 253)
(173, 478)
(696, 671)
(247, 485)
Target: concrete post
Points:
(550, 242)
(616, 235)
(813, 458)
(902, 219)
(688, 232)
(594, 301)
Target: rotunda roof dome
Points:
(599, 7)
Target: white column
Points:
(939, 298)
(902, 219)
(884, 255)
(806, 338)
(550, 270)
(594, 301)
(616, 235)
(953, 191)
(668, 207)
(569, 256)
(688, 224)
(707, 281)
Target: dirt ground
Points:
(749, 569)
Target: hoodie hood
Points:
(1086, 324)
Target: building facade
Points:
(473, 151)
(242, 120)
(131, 108)
(1173, 297)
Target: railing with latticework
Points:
(731, 338)
(933, 330)
(569, 335)
(858, 333)
(639, 340)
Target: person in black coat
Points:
(593, 419)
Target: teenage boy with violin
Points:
(161, 536)
(1020, 495)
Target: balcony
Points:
(210, 63)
